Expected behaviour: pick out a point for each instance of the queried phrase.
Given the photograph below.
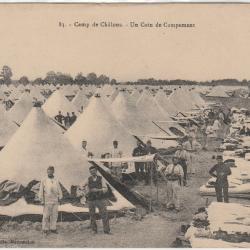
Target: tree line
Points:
(155, 82)
(56, 78)
(92, 79)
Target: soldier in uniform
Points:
(50, 194)
(96, 199)
(150, 167)
(173, 174)
(220, 171)
(139, 166)
(59, 118)
(116, 167)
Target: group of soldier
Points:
(50, 195)
(67, 120)
(175, 175)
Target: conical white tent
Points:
(126, 112)
(218, 91)
(7, 127)
(68, 90)
(151, 108)
(80, 100)
(37, 144)
(58, 102)
(166, 103)
(35, 93)
(197, 99)
(21, 108)
(99, 127)
(181, 100)
(114, 95)
(15, 94)
(135, 95)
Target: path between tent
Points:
(157, 229)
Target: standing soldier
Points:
(191, 146)
(182, 156)
(116, 167)
(73, 118)
(59, 118)
(85, 151)
(50, 194)
(150, 167)
(139, 166)
(96, 199)
(220, 171)
(173, 174)
(67, 120)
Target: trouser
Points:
(50, 214)
(204, 140)
(139, 170)
(191, 160)
(183, 163)
(221, 190)
(100, 204)
(173, 194)
(150, 172)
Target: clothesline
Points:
(144, 158)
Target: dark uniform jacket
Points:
(95, 184)
(220, 171)
(139, 151)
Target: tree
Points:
(80, 79)
(51, 77)
(24, 80)
(92, 78)
(38, 81)
(113, 82)
(6, 74)
(102, 79)
(64, 79)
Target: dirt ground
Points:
(157, 229)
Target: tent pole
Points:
(151, 186)
(157, 187)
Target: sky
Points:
(33, 43)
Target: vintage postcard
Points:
(125, 125)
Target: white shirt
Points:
(216, 125)
(116, 153)
(50, 190)
(85, 152)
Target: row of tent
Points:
(14, 91)
(136, 112)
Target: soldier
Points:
(116, 167)
(59, 118)
(67, 120)
(139, 166)
(220, 171)
(150, 167)
(50, 194)
(73, 118)
(173, 174)
(183, 157)
(95, 199)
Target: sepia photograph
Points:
(125, 125)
